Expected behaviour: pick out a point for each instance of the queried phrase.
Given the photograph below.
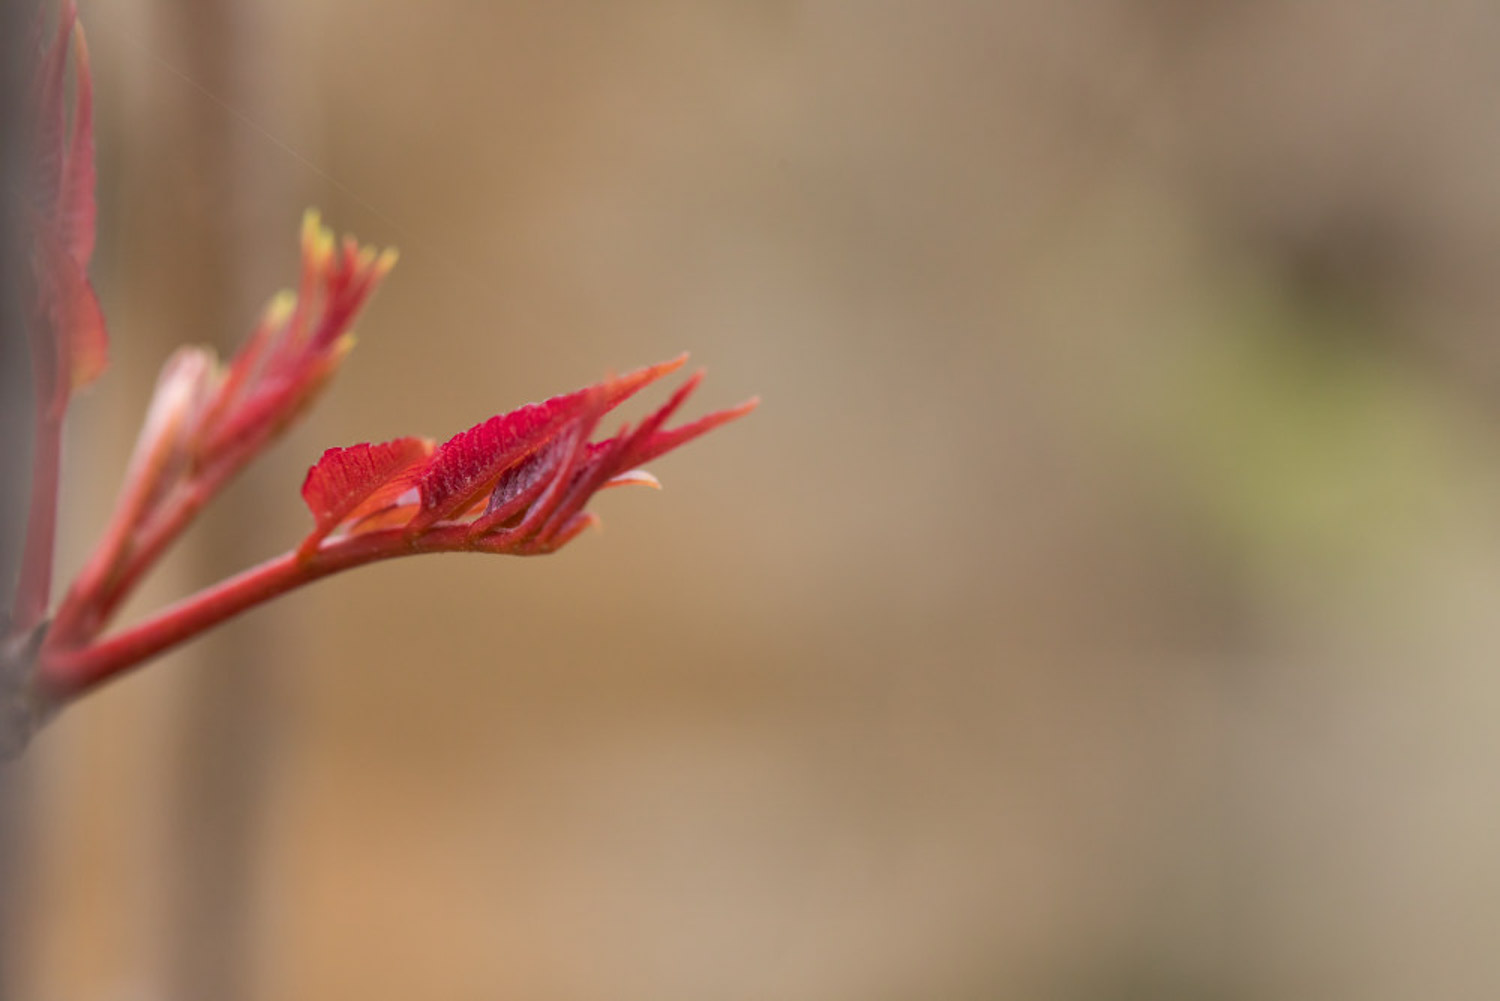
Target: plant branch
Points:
(65, 673)
(123, 560)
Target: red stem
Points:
(121, 560)
(34, 586)
(65, 672)
(87, 609)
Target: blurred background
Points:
(1101, 605)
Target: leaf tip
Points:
(634, 477)
(386, 261)
(280, 309)
(317, 239)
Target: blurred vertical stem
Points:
(15, 418)
(221, 752)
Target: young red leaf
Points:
(520, 486)
(538, 504)
(349, 482)
(295, 349)
(75, 202)
(613, 461)
(49, 298)
(662, 442)
(71, 314)
(67, 324)
(468, 465)
(47, 100)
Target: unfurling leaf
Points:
(516, 483)
(468, 465)
(350, 483)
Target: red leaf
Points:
(614, 459)
(48, 100)
(73, 320)
(468, 465)
(82, 324)
(62, 214)
(75, 203)
(295, 349)
(356, 481)
(660, 442)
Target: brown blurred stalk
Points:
(221, 752)
(15, 424)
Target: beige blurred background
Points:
(1101, 605)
